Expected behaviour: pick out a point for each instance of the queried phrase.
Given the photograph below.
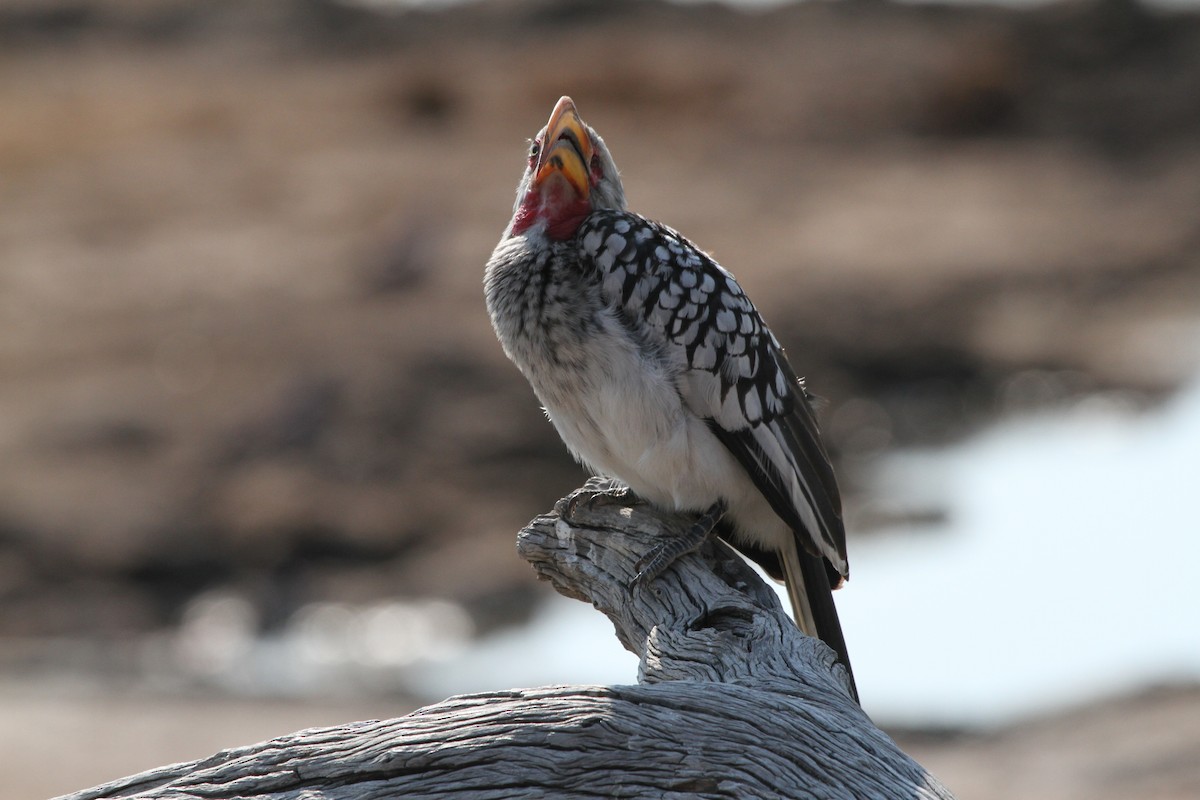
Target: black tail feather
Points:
(824, 612)
(819, 578)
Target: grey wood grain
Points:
(732, 701)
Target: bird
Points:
(658, 371)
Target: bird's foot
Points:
(657, 561)
(601, 491)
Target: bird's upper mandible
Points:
(565, 150)
(569, 174)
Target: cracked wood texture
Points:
(732, 701)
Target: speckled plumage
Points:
(657, 370)
(630, 318)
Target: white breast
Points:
(624, 418)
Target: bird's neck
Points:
(539, 298)
(560, 211)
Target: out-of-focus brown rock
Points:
(244, 337)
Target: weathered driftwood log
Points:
(732, 702)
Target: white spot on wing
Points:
(781, 387)
(614, 244)
(705, 357)
(774, 405)
(591, 242)
(751, 404)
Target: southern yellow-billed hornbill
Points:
(658, 371)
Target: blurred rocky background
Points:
(252, 413)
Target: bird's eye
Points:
(596, 167)
(534, 148)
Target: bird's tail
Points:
(812, 603)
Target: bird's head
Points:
(569, 174)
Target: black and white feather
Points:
(657, 370)
(731, 371)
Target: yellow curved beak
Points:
(566, 149)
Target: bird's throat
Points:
(557, 204)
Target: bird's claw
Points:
(601, 483)
(647, 566)
(663, 555)
(597, 492)
(653, 564)
(642, 580)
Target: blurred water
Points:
(1066, 569)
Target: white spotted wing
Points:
(690, 312)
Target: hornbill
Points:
(657, 370)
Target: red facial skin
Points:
(557, 202)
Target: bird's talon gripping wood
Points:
(657, 370)
(612, 494)
(593, 496)
(657, 561)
